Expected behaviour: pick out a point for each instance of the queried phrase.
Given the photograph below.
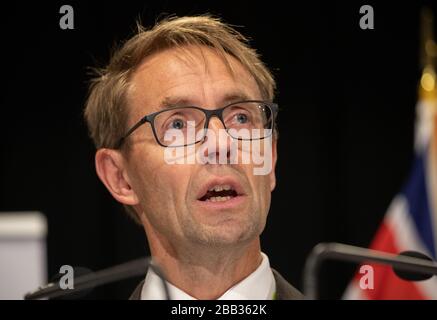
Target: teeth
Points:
(219, 188)
(218, 199)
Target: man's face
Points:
(174, 200)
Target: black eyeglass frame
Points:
(150, 118)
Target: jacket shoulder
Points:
(284, 290)
(136, 295)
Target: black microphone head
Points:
(413, 276)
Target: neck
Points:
(206, 273)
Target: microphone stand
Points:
(343, 252)
(120, 272)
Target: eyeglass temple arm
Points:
(135, 127)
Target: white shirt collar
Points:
(259, 285)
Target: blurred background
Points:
(347, 99)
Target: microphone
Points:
(412, 276)
(406, 263)
(116, 273)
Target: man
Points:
(203, 215)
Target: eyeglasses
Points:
(243, 120)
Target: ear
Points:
(111, 169)
(272, 174)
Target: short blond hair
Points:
(106, 109)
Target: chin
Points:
(228, 233)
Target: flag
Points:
(410, 223)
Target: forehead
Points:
(193, 74)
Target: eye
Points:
(177, 124)
(241, 118)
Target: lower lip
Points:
(223, 205)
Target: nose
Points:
(218, 144)
(215, 124)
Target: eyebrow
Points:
(180, 101)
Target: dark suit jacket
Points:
(284, 290)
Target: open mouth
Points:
(219, 193)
